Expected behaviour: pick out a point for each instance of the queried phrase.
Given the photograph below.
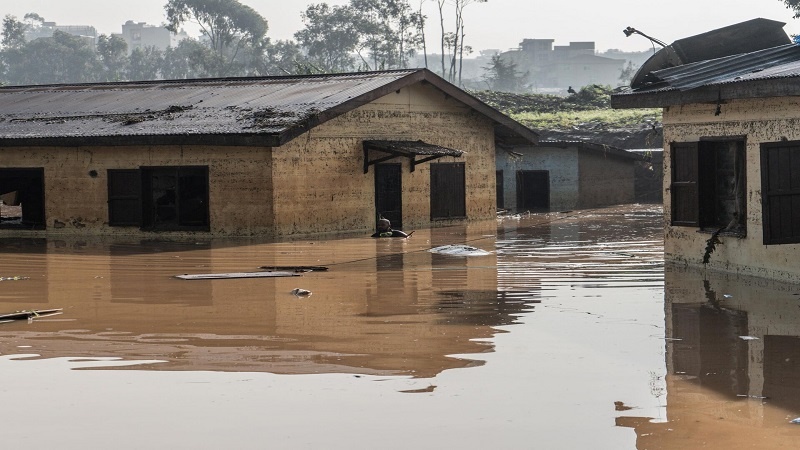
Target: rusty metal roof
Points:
(764, 73)
(235, 111)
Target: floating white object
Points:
(217, 276)
(301, 292)
(796, 421)
(748, 338)
(459, 250)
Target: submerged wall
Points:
(758, 121)
(561, 163)
(320, 185)
(76, 202)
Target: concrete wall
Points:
(562, 163)
(240, 188)
(759, 120)
(605, 180)
(318, 177)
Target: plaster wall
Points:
(605, 180)
(320, 186)
(239, 185)
(759, 121)
(562, 163)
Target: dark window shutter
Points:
(448, 192)
(780, 188)
(124, 197)
(684, 187)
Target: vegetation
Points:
(590, 109)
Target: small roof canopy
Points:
(406, 149)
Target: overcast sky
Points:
(497, 24)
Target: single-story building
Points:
(731, 154)
(562, 175)
(272, 156)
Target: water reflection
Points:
(384, 307)
(733, 359)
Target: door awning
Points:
(406, 149)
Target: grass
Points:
(596, 118)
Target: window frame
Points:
(695, 170)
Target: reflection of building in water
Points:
(733, 361)
(384, 307)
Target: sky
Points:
(496, 24)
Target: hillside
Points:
(586, 115)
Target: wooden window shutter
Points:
(780, 190)
(684, 186)
(124, 197)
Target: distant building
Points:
(46, 29)
(562, 66)
(141, 35)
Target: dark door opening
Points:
(22, 193)
(389, 193)
(175, 198)
(499, 188)
(533, 190)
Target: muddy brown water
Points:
(568, 335)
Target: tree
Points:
(62, 58)
(793, 5)
(454, 40)
(627, 73)
(113, 52)
(390, 30)
(330, 37)
(13, 32)
(145, 64)
(229, 26)
(503, 75)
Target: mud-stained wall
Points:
(239, 185)
(560, 163)
(759, 121)
(605, 180)
(319, 182)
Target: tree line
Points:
(363, 35)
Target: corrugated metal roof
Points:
(777, 62)
(218, 106)
(234, 111)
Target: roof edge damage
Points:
(747, 60)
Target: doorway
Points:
(389, 194)
(22, 193)
(533, 190)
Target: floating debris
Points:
(29, 314)
(219, 276)
(295, 268)
(795, 421)
(748, 338)
(14, 278)
(459, 250)
(301, 292)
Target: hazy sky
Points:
(497, 24)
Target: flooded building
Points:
(561, 175)
(732, 147)
(272, 156)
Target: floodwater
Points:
(569, 334)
